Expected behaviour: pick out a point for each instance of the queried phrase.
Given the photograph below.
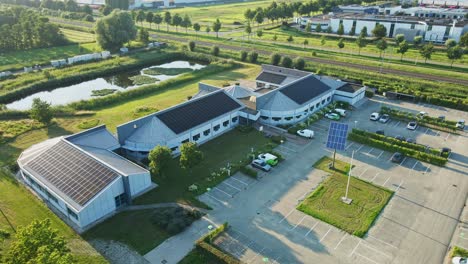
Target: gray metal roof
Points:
(98, 137)
(239, 92)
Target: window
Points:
(120, 200)
(288, 118)
(323, 101)
(329, 98)
(306, 111)
(264, 117)
(206, 132)
(317, 105)
(185, 141)
(276, 118)
(234, 119)
(174, 148)
(51, 197)
(298, 116)
(429, 27)
(216, 128)
(72, 214)
(412, 26)
(226, 123)
(311, 108)
(196, 137)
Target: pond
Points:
(119, 82)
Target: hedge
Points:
(422, 156)
(249, 171)
(426, 121)
(205, 243)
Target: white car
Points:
(374, 116)
(412, 125)
(342, 112)
(307, 133)
(460, 124)
(270, 159)
(459, 260)
(332, 116)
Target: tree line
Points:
(26, 29)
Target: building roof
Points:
(350, 88)
(271, 77)
(193, 113)
(304, 89)
(239, 92)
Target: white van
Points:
(342, 112)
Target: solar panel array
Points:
(305, 89)
(271, 77)
(73, 172)
(337, 136)
(194, 113)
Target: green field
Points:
(20, 59)
(199, 256)
(325, 202)
(78, 36)
(19, 208)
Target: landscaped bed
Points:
(166, 71)
(325, 202)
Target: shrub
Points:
(191, 45)
(215, 50)
(4, 234)
(253, 57)
(314, 53)
(427, 121)
(278, 139)
(286, 62)
(244, 129)
(369, 94)
(249, 171)
(174, 219)
(299, 63)
(275, 59)
(243, 55)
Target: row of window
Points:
(288, 118)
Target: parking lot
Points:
(415, 227)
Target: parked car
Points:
(460, 124)
(441, 118)
(410, 140)
(270, 159)
(384, 118)
(401, 138)
(412, 125)
(421, 114)
(260, 164)
(459, 260)
(340, 111)
(445, 152)
(332, 116)
(380, 132)
(397, 157)
(374, 116)
(307, 133)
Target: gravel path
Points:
(118, 253)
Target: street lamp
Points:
(355, 123)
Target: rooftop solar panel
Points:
(337, 136)
(305, 89)
(71, 171)
(271, 77)
(194, 113)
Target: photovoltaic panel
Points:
(337, 136)
(305, 89)
(71, 171)
(271, 77)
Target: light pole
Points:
(355, 123)
(345, 199)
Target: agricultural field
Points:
(78, 36)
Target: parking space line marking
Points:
(234, 178)
(230, 195)
(325, 235)
(375, 176)
(415, 165)
(378, 157)
(288, 149)
(425, 132)
(448, 135)
(341, 240)
(399, 185)
(303, 196)
(312, 228)
(352, 143)
(376, 250)
(363, 173)
(402, 161)
(290, 212)
(383, 241)
(360, 148)
(352, 252)
(370, 150)
(222, 202)
(387, 180)
(428, 166)
(397, 124)
(298, 223)
(231, 186)
(366, 258)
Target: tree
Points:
(402, 48)
(363, 32)
(253, 56)
(286, 62)
(299, 63)
(318, 28)
(308, 28)
(248, 30)
(379, 31)
(114, 30)
(243, 55)
(341, 43)
(249, 14)
(217, 26)
(190, 156)
(106, 10)
(340, 30)
(361, 42)
(259, 33)
(275, 37)
(157, 19)
(290, 39)
(417, 41)
(143, 35)
(450, 43)
(464, 40)
(38, 242)
(167, 19)
(275, 59)
(426, 51)
(329, 29)
(196, 27)
(159, 157)
(141, 16)
(454, 53)
(215, 50)
(149, 18)
(399, 38)
(176, 21)
(207, 29)
(381, 45)
(41, 111)
(87, 9)
(259, 17)
(352, 32)
(305, 43)
(186, 23)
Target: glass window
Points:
(264, 117)
(206, 132)
(298, 116)
(226, 123)
(311, 108)
(329, 98)
(120, 200)
(288, 118)
(276, 118)
(51, 197)
(317, 105)
(174, 148)
(323, 101)
(72, 214)
(216, 128)
(185, 141)
(196, 137)
(234, 119)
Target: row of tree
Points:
(26, 29)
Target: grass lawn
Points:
(230, 147)
(19, 59)
(199, 256)
(19, 207)
(459, 252)
(325, 202)
(142, 237)
(78, 36)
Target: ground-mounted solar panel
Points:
(337, 134)
(71, 171)
(197, 112)
(305, 89)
